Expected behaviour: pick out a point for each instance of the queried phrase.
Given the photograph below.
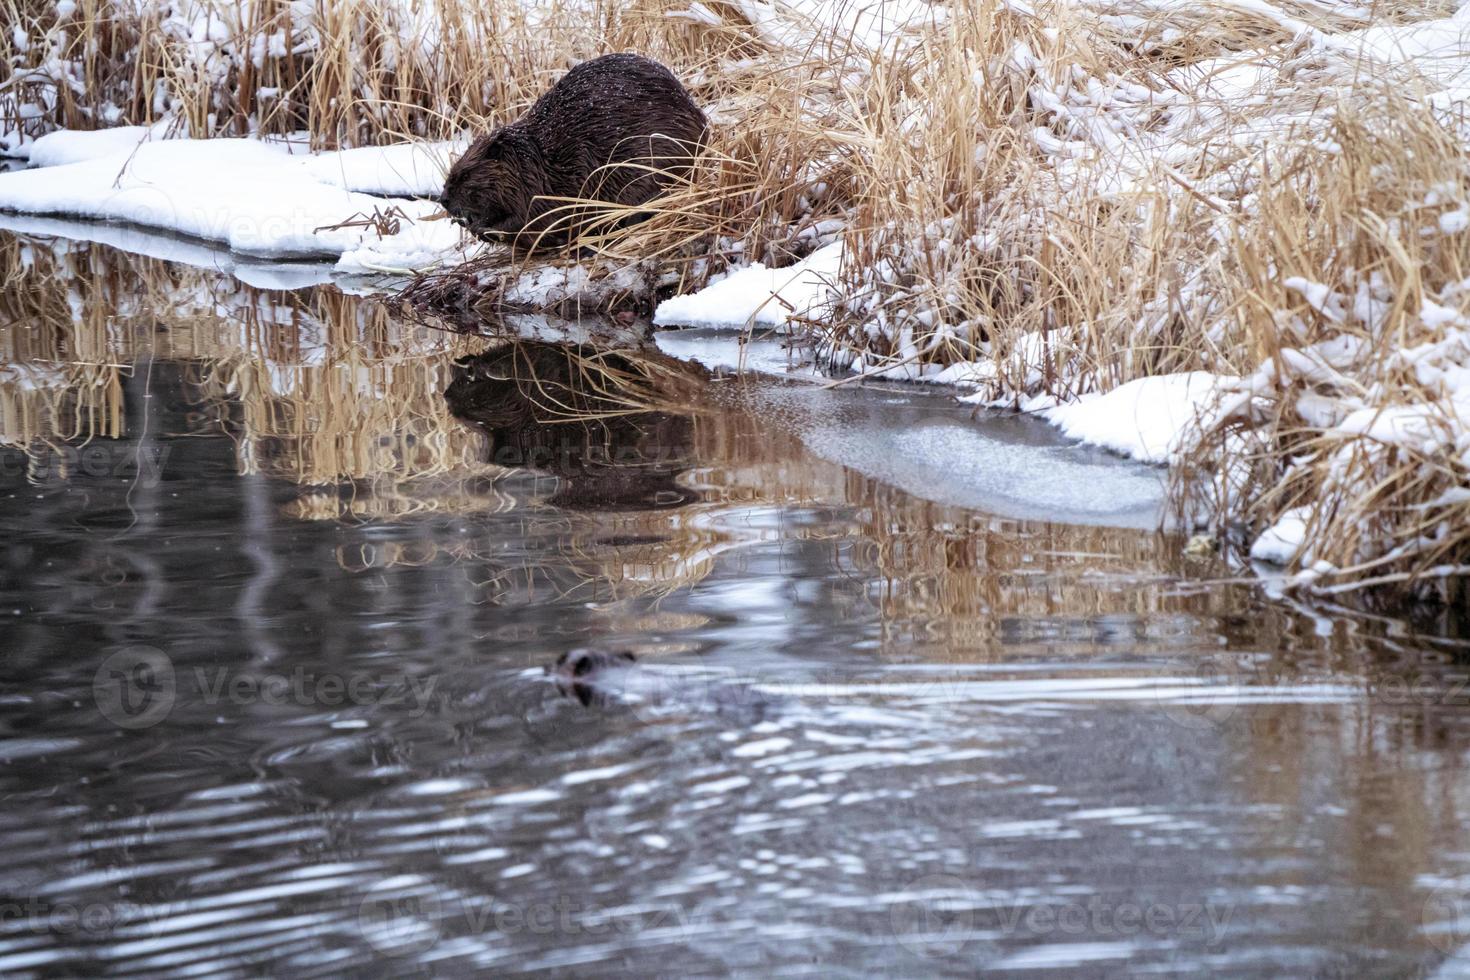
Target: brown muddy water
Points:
(918, 693)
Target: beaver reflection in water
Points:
(615, 427)
(615, 129)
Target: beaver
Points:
(601, 678)
(615, 129)
(582, 673)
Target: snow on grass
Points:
(878, 27)
(74, 146)
(759, 295)
(253, 196)
(1280, 542)
(1149, 419)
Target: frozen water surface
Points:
(1027, 476)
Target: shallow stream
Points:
(919, 691)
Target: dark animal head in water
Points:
(576, 671)
(489, 190)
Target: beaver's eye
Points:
(583, 666)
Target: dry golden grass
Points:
(1380, 508)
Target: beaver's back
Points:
(612, 109)
(614, 130)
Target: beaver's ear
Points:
(486, 149)
(628, 656)
(473, 153)
(480, 147)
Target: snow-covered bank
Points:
(65, 146)
(1228, 237)
(257, 198)
(1148, 419)
(759, 296)
(413, 169)
(397, 170)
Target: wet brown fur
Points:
(617, 109)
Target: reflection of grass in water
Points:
(331, 392)
(939, 565)
(51, 390)
(315, 386)
(451, 492)
(319, 388)
(361, 402)
(527, 384)
(940, 574)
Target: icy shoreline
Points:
(1148, 419)
(283, 198)
(259, 198)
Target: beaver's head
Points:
(586, 660)
(576, 671)
(489, 189)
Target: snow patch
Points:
(74, 146)
(403, 170)
(253, 196)
(758, 295)
(1148, 419)
(1280, 542)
